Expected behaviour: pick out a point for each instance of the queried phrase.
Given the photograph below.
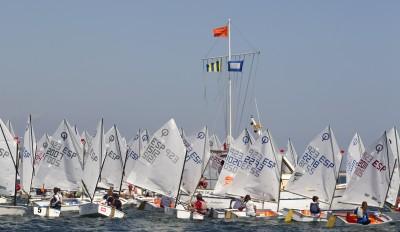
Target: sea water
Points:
(137, 220)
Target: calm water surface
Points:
(151, 221)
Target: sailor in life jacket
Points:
(314, 207)
(362, 214)
(250, 206)
(200, 206)
(56, 200)
(109, 196)
(166, 201)
(116, 202)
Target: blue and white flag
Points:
(235, 66)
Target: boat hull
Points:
(10, 210)
(69, 205)
(46, 211)
(97, 210)
(376, 220)
(148, 206)
(306, 216)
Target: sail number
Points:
(132, 154)
(365, 160)
(56, 152)
(256, 163)
(233, 160)
(312, 159)
(155, 148)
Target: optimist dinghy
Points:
(376, 219)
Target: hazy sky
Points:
(138, 63)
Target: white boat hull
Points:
(305, 216)
(10, 210)
(178, 212)
(46, 211)
(376, 220)
(148, 206)
(97, 210)
(181, 213)
(69, 205)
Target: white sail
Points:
(40, 151)
(215, 143)
(317, 168)
(160, 166)
(393, 141)
(354, 153)
(135, 149)
(10, 128)
(86, 140)
(61, 166)
(259, 173)
(27, 158)
(8, 152)
(198, 153)
(95, 150)
(236, 154)
(370, 180)
(113, 162)
(291, 154)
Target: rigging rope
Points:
(247, 87)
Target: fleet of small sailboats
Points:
(161, 172)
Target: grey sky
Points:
(137, 63)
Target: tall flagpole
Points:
(229, 86)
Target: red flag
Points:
(221, 31)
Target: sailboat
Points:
(8, 171)
(91, 176)
(259, 176)
(371, 180)
(115, 150)
(197, 158)
(159, 168)
(316, 174)
(61, 167)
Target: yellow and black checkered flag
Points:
(214, 66)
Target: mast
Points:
(180, 181)
(388, 164)
(16, 174)
(276, 161)
(229, 88)
(120, 154)
(33, 154)
(100, 155)
(340, 164)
